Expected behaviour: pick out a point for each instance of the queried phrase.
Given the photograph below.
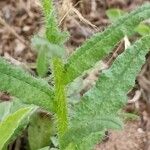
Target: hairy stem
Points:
(60, 98)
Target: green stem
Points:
(60, 98)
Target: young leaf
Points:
(53, 34)
(4, 109)
(9, 107)
(39, 131)
(42, 62)
(54, 140)
(46, 51)
(114, 13)
(47, 7)
(25, 87)
(104, 100)
(11, 125)
(101, 44)
(143, 29)
(52, 50)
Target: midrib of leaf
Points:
(87, 55)
(40, 86)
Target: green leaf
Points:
(91, 140)
(101, 44)
(22, 85)
(42, 62)
(81, 130)
(143, 29)
(52, 50)
(70, 147)
(53, 33)
(128, 116)
(4, 109)
(47, 7)
(11, 126)
(46, 51)
(123, 70)
(55, 141)
(114, 13)
(99, 106)
(47, 148)
(73, 91)
(39, 131)
(9, 107)
(46, 48)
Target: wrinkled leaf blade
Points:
(101, 44)
(81, 130)
(108, 96)
(28, 89)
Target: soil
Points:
(21, 19)
(131, 138)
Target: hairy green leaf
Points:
(104, 100)
(81, 130)
(54, 140)
(47, 7)
(9, 107)
(11, 125)
(25, 87)
(39, 131)
(52, 50)
(114, 13)
(46, 51)
(91, 140)
(53, 33)
(42, 62)
(4, 109)
(143, 29)
(101, 44)
(46, 48)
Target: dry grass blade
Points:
(64, 12)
